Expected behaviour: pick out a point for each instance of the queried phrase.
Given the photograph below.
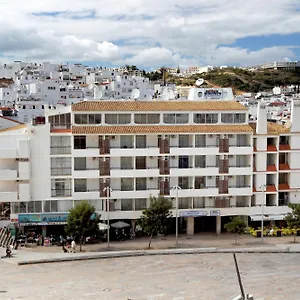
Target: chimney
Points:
(295, 124)
(261, 123)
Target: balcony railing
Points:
(61, 193)
(55, 150)
(61, 171)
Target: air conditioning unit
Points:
(210, 136)
(173, 136)
(151, 178)
(230, 136)
(113, 137)
(151, 157)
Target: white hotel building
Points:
(223, 165)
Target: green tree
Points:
(237, 225)
(155, 219)
(293, 218)
(82, 222)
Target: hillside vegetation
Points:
(242, 80)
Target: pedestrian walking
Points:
(73, 246)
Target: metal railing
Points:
(61, 193)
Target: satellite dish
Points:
(171, 94)
(97, 93)
(199, 82)
(135, 94)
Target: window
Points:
(50, 206)
(183, 182)
(126, 204)
(147, 118)
(200, 161)
(126, 163)
(140, 141)
(199, 183)
(140, 204)
(79, 163)
(176, 118)
(80, 185)
(61, 187)
(117, 119)
(200, 140)
(233, 118)
(140, 163)
(80, 142)
(126, 184)
(141, 184)
(61, 166)
(184, 141)
(34, 206)
(205, 118)
(126, 141)
(60, 145)
(93, 119)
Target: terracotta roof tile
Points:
(273, 128)
(283, 186)
(14, 128)
(161, 129)
(12, 120)
(284, 167)
(158, 106)
(271, 188)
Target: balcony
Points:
(61, 171)
(240, 150)
(271, 168)
(88, 195)
(118, 194)
(148, 172)
(8, 174)
(8, 196)
(240, 170)
(271, 188)
(60, 150)
(88, 152)
(271, 148)
(208, 171)
(131, 152)
(284, 167)
(89, 173)
(61, 193)
(283, 187)
(284, 147)
(240, 190)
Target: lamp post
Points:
(176, 187)
(108, 191)
(263, 189)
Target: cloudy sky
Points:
(150, 33)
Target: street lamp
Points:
(263, 190)
(176, 187)
(108, 191)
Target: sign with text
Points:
(214, 213)
(43, 219)
(196, 213)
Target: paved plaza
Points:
(180, 277)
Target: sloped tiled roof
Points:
(158, 106)
(272, 128)
(13, 128)
(161, 129)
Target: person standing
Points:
(73, 246)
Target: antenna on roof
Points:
(199, 82)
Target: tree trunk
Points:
(151, 235)
(80, 245)
(295, 235)
(235, 238)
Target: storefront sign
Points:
(213, 94)
(192, 213)
(214, 213)
(42, 219)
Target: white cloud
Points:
(143, 32)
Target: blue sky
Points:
(150, 34)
